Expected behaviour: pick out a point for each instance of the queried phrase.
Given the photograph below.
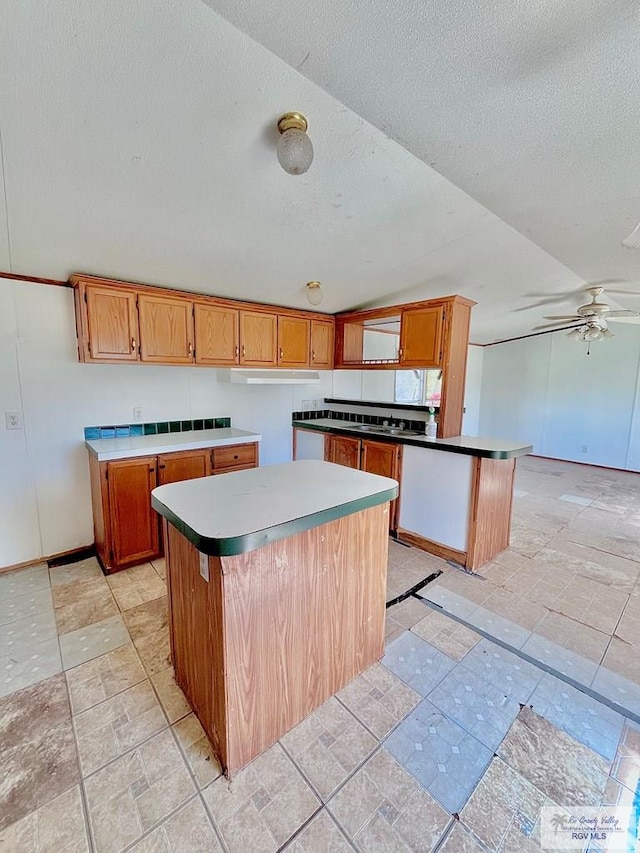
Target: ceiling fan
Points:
(594, 314)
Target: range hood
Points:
(250, 376)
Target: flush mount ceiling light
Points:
(314, 292)
(295, 151)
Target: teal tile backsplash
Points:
(156, 428)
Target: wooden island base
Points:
(276, 631)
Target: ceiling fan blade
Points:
(627, 318)
(562, 324)
(563, 317)
(621, 291)
(549, 301)
(626, 312)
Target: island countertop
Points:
(238, 512)
(106, 449)
(488, 448)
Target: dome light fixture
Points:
(314, 292)
(295, 151)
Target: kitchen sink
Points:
(384, 430)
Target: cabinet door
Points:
(134, 524)
(217, 334)
(383, 459)
(112, 321)
(166, 329)
(421, 337)
(322, 343)
(293, 342)
(186, 465)
(343, 450)
(258, 339)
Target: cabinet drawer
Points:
(234, 456)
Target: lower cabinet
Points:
(127, 530)
(375, 457)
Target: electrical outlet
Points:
(584, 448)
(137, 414)
(13, 420)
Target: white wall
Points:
(473, 383)
(45, 505)
(547, 391)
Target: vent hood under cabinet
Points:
(248, 376)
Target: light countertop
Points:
(241, 511)
(106, 449)
(491, 448)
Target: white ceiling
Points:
(459, 148)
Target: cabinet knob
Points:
(236, 456)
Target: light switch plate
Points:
(204, 566)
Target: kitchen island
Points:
(276, 582)
(456, 493)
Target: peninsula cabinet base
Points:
(261, 639)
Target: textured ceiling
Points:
(138, 142)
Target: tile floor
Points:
(452, 743)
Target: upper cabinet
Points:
(217, 331)
(117, 321)
(293, 342)
(421, 337)
(166, 329)
(430, 334)
(322, 344)
(258, 339)
(112, 331)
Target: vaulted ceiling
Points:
(461, 147)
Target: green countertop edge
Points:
(402, 439)
(234, 545)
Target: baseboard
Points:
(432, 547)
(59, 559)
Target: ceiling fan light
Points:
(575, 334)
(607, 335)
(592, 334)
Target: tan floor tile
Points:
(136, 791)
(149, 628)
(460, 841)
(378, 699)
(138, 593)
(55, 827)
(446, 634)
(328, 746)
(103, 677)
(136, 574)
(189, 830)
(556, 764)
(574, 636)
(391, 630)
(264, 804)
(115, 726)
(171, 696)
(502, 798)
(160, 567)
(197, 750)
(527, 542)
(88, 569)
(383, 802)
(408, 612)
(37, 749)
(520, 610)
(628, 629)
(623, 659)
(321, 834)
(81, 603)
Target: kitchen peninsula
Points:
(455, 493)
(276, 583)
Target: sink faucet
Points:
(401, 425)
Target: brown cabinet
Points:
(343, 450)
(322, 343)
(293, 342)
(258, 339)
(421, 337)
(217, 334)
(166, 329)
(112, 324)
(184, 465)
(126, 528)
(134, 526)
(375, 457)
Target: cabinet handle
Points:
(236, 351)
(281, 353)
(244, 351)
(401, 352)
(313, 355)
(162, 466)
(133, 344)
(190, 348)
